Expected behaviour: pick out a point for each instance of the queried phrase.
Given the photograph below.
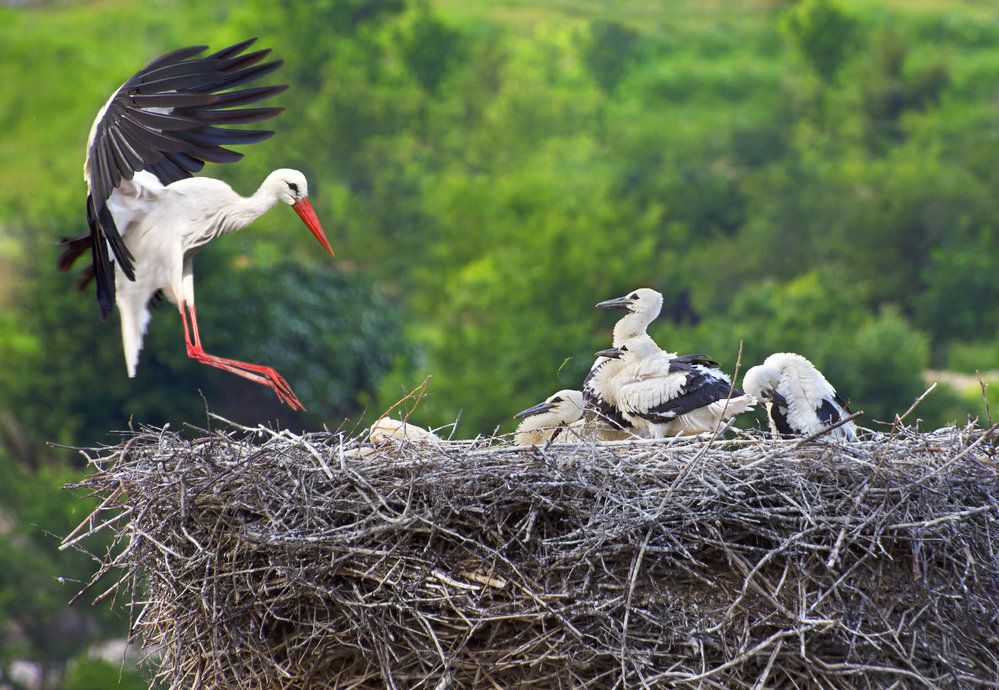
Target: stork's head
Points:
(643, 305)
(644, 301)
(761, 381)
(564, 407)
(291, 187)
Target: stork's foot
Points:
(258, 373)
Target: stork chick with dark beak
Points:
(546, 420)
(643, 306)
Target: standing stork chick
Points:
(664, 394)
(799, 398)
(643, 306)
(550, 420)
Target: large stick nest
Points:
(258, 559)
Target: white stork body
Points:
(148, 216)
(600, 386)
(800, 399)
(665, 394)
(164, 226)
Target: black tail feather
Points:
(103, 270)
(73, 248)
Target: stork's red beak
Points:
(303, 207)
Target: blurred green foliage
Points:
(816, 176)
(96, 674)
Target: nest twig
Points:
(263, 559)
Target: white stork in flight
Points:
(665, 394)
(643, 306)
(148, 216)
(800, 399)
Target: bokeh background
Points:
(817, 176)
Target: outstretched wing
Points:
(168, 119)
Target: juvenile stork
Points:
(799, 398)
(643, 306)
(664, 394)
(560, 417)
(148, 216)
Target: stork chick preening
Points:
(665, 394)
(800, 400)
(148, 216)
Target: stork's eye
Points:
(556, 400)
(293, 187)
(634, 295)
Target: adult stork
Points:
(665, 394)
(799, 399)
(643, 306)
(148, 216)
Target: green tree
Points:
(608, 52)
(825, 34)
(429, 49)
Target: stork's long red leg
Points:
(257, 373)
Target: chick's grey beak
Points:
(536, 409)
(616, 303)
(610, 353)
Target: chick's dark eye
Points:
(293, 187)
(556, 400)
(634, 295)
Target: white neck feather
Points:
(632, 324)
(247, 209)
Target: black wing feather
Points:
(242, 116)
(827, 413)
(175, 56)
(778, 413)
(244, 96)
(701, 388)
(700, 391)
(239, 76)
(234, 49)
(702, 360)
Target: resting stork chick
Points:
(643, 306)
(799, 398)
(664, 394)
(560, 418)
(387, 430)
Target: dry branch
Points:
(262, 559)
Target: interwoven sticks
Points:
(259, 559)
